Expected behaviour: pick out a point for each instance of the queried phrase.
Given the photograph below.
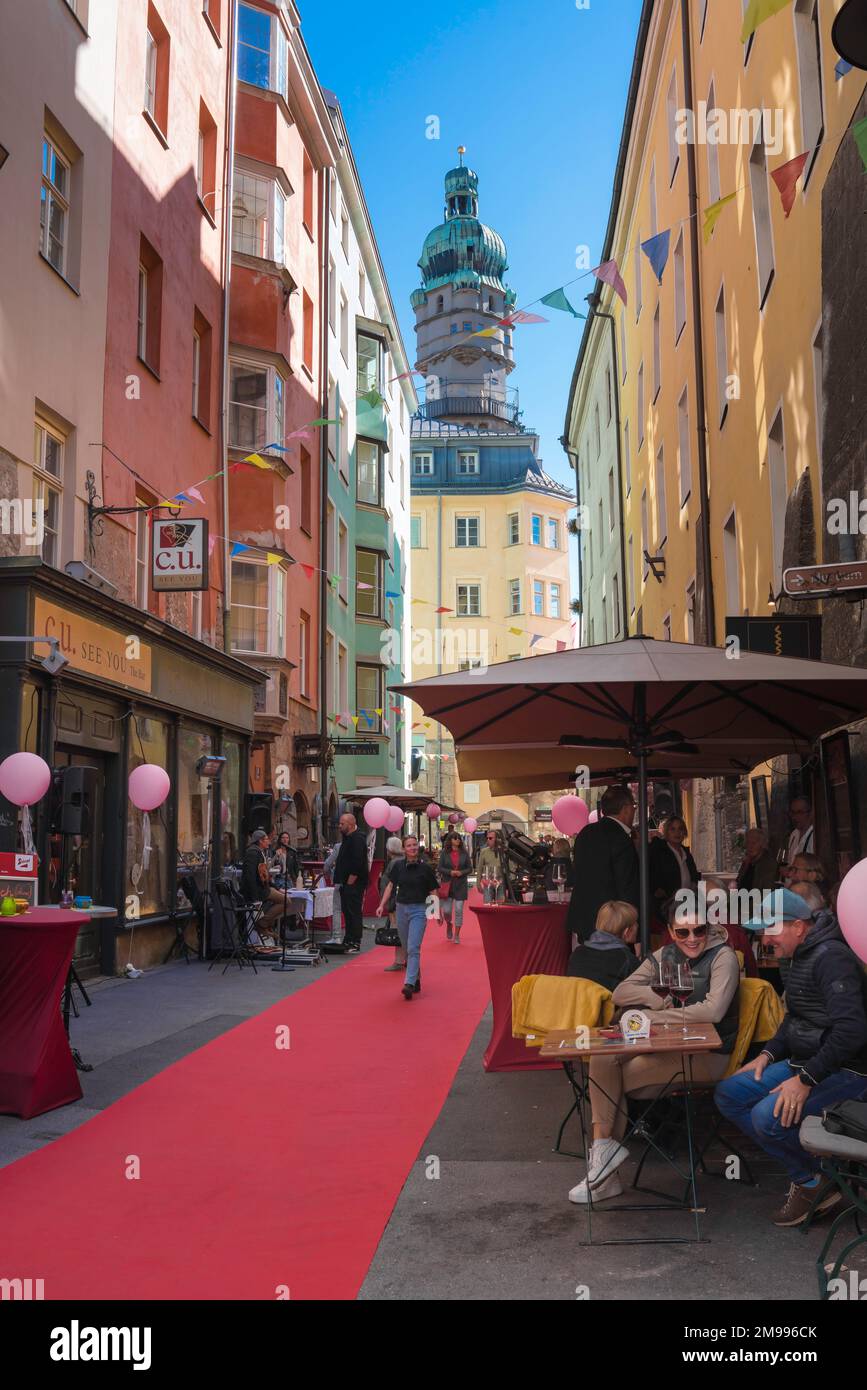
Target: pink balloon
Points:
(454, 818)
(851, 913)
(432, 811)
(376, 812)
(394, 820)
(24, 778)
(570, 815)
(149, 786)
(594, 817)
(470, 824)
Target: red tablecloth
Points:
(37, 1072)
(518, 941)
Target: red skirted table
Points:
(37, 1072)
(519, 940)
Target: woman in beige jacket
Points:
(716, 977)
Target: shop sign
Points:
(179, 554)
(344, 748)
(810, 581)
(88, 646)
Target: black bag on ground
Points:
(847, 1117)
(387, 935)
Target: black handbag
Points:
(847, 1117)
(387, 935)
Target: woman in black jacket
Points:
(672, 867)
(454, 868)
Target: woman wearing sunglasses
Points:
(715, 977)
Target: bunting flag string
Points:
(557, 300)
(757, 12)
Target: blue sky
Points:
(536, 92)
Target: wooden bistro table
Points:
(577, 1050)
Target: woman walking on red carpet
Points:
(454, 869)
(412, 881)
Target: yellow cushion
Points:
(541, 1004)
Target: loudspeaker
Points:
(258, 812)
(72, 798)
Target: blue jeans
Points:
(411, 922)
(446, 905)
(749, 1104)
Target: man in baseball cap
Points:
(818, 1055)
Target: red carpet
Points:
(259, 1167)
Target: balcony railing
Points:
(470, 398)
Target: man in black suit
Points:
(605, 863)
(351, 872)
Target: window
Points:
(622, 347)
(641, 405)
(156, 73)
(538, 598)
(304, 655)
(467, 531)
(308, 196)
(368, 364)
(362, 291)
(713, 174)
(818, 367)
(535, 530)
(142, 557)
(608, 394)
(256, 396)
(343, 427)
(553, 532)
(305, 471)
(469, 600)
(513, 530)
(48, 459)
(657, 357)
(514, 596)
(329, 671)
(196, 615)
(368, 693)
(307, 331)
(779, 495)
(748, 46)
(333, 194)
(630, 573)
(690, 611)
(554, 601)
(673, 147)
(638, 256)
(627, 458)
(684, 459)
(279, 604)
(258, 217)
(422, 465)
(615, 604)
(468, 463)
(679, 289)
(721, 353)
(610, 499)
(601, 528)
(810, 74)
(206, 160)
(597, 429)
(762, 215)
(343, 560)
(368, 570)
(201, 382)
(415, 532)
(342, 678)
(645, 533)
(368, 473)
(263, 50)
(344, 232)
(332, 296)
(211, 11)
(661, 508)
(732, 572)
(666, 628)
(344, 327)
(54, 206)
(331, 540)
(702, 7)
(253, 629)
(150, 305)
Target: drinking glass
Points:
(682, 986)
(495, 888)
(660, 982)
(559, 877)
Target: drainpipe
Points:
(228, 197)
(594, 301)
(574, 461)
(698, 342)
(324, 214)
(439, 640)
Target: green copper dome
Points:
(462, 246)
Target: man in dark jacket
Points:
(818, 1055)
(350, 872)
(605, 863)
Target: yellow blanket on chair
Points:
(542, 1004)
(760, 1014)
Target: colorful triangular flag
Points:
(609, 273)
(258, 461)
(656, 251)
(757, 12)
(194, 492)
(561, 646)
(355, 720)
(484, 333)
(557, 300)
(537, 637)
(308, 570)
(238, 548)
(712, 215)
(520, 316)
(786, 178)
(273, 559)
(516, 631)
(841, 69)
(445, 610)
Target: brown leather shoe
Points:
(800, 1202)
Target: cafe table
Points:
(37, 1070)
(575, 1051)
(519, 939)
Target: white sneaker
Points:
(606, 1155)
(609, 1187)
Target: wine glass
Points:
(682, 985)
(495, 888)
(484, 883)
(559, 877)
(661, 981)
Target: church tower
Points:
(463, 292)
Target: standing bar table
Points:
(37, 1071)
(520, 939)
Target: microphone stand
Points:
(283, 966)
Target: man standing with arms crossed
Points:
(350, 872)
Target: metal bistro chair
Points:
(844, 1160)
(239, 919)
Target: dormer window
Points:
(440, 303)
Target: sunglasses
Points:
(683, 932)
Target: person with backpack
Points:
(818, 1055)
